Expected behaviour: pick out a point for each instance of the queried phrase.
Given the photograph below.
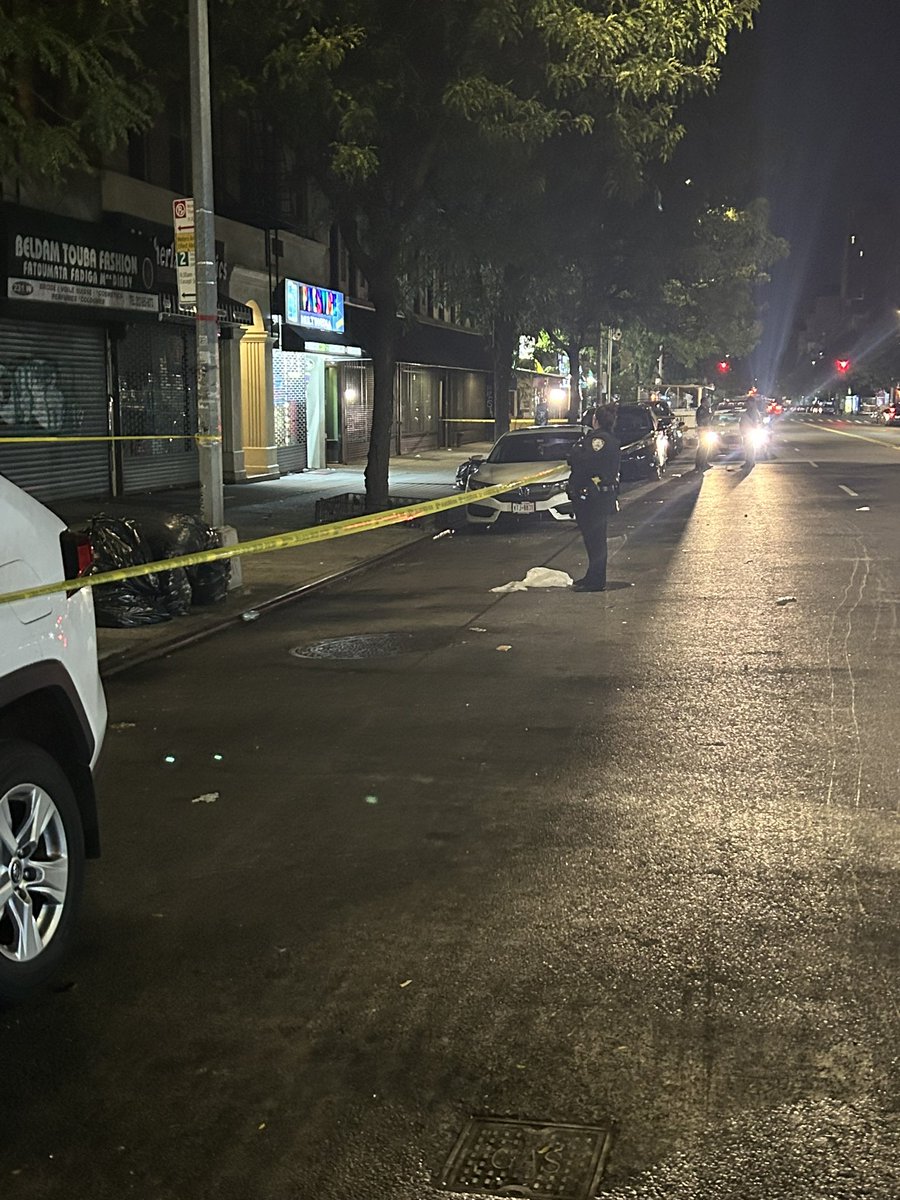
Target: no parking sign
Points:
(185, 251)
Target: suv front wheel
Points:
(41, 867)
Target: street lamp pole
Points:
(209, 405)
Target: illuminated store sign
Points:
(312, 307)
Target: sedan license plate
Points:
(523, 506)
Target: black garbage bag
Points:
(144, 600)
(170, 535)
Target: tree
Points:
(378, 97)
(693, 285)
(70, 82)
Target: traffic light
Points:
(843, 365)
(723, 366)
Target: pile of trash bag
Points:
(119, 542)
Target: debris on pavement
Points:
(864, 508)
(406, 983)
(782, 600)
(443, 533)
(252, 614)
(504, 647)
(206, 798)
(476, 629)
(537, 577)
(123, 725)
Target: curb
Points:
(121, 660)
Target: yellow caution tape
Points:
(278, 541)
(137, 437)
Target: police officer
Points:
(593, 486)
(704, 420)
(750, 425)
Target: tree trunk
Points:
(504, 356)
(575, 405)
(384, 401)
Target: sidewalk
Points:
(263, 509)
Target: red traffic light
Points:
(842, 364)
(723, 367)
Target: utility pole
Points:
(209, 403)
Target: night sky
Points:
(807, 114)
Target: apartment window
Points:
(177, 164)
(137, 155)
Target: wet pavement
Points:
(623, 861)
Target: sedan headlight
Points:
(709, 438)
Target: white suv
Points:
(52, 722)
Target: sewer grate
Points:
(372, 645)
(527, 1159)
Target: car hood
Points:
(636, 444)
(495, 474)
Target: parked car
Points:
(52, 723)
(672, 425)
(890, 415)
(644, 443)
(467, 468)
(517, 453)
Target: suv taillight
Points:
(77, 555)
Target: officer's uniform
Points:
(704, 420)
(749, 423)
(593, 486)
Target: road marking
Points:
(860, 437)
(849, 491)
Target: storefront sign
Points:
(54, 260)
(185, 247)
(312, 307)
(333, 350)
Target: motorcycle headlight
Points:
(758, 437)
(709, 437)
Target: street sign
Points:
(185, 251)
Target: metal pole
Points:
(609, 342)
(209, 405)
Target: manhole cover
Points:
(521, 1158)
(371, 645)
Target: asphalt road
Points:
(622, 860)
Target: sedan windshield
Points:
(537, 447)
(630, 426)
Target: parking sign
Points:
(185, 248)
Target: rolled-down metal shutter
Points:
(53, 384)
(156, 375)
(357, 389)
(290, 380)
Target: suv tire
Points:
(35, 931)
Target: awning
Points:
(429, 344)
(231, 312)
(295, 338)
